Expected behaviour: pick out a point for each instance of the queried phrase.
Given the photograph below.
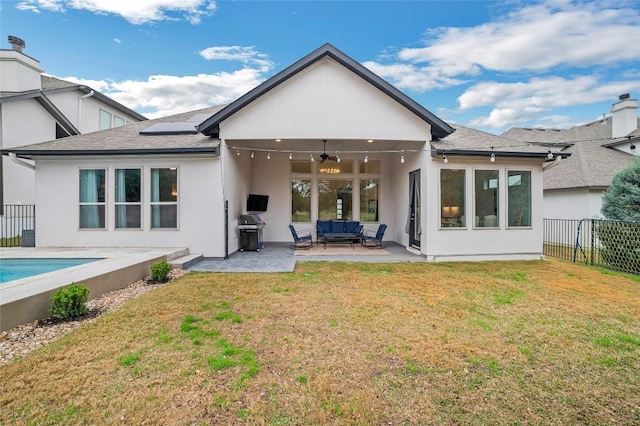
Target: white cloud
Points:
(540, 44)
(248, 55)
(117, 40)
(537, 37)
(134, 11)
(164, 95)
(514, 103)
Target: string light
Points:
(366, 158)
(445, 159)
(550, 155)
(311, 157)
(268, 155)
(252, 154)
(237, 151)
(493, 156)
(290, 156)
(338, 158)
(401, 157)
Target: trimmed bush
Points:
(160, 271)
(69, 302)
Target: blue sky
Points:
(490, 65)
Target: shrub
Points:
(160, 271)
(69, 302)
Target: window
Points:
(371, 166)
(369, 200)
(105, 120)
(486, 198)
(335, 199)
(127, 200)
(334, 167)
(519, 198)
(164, 198)
(118, 121)
(92, 198)
(452, 198)
(300, 200)
(303, 167)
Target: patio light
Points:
(366, 158)
(401, 157)
(268, 155)
(445, 159)
(290, 156)
(550, 155)
(252, 154)
(337, 158)
(493, 156)
(311, 157)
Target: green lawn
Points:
(543, 342)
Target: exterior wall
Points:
(577, 203)
(23, 122)
(325, 101)
(26, 122)
(237, 171)
(200, 205)
(476, 243)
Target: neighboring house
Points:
(324, 139)
(573, 188)
(36, 108)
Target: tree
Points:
(622, 199)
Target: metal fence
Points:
(612, 244)
(17, 224)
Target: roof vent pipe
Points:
(16, 43)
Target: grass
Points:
(546, 342)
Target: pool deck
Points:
(28, 299)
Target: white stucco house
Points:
(35, 108)
(574, 186)
(324, 139)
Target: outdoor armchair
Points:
(302, 240)
(370, 240)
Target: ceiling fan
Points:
(324, 156)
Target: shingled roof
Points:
(467, 141)
(127, 140)
(593, 162)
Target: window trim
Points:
(94, 203)
(164, 203)
(464, 198)
(117, 203)
(530, 226)
(499, 189)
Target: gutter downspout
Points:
(23, 163)
(88, 95)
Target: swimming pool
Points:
(15, 269)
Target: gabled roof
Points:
(592, 163)
(55, 85)
(439, 128)
(590, 166)
(127, 140)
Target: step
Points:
(184, 262)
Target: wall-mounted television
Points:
(257, 203)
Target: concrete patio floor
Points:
(279, 257)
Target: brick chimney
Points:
(624, 116)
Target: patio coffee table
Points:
(338, 238)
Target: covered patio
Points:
(280, 257)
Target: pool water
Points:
(15, 269)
